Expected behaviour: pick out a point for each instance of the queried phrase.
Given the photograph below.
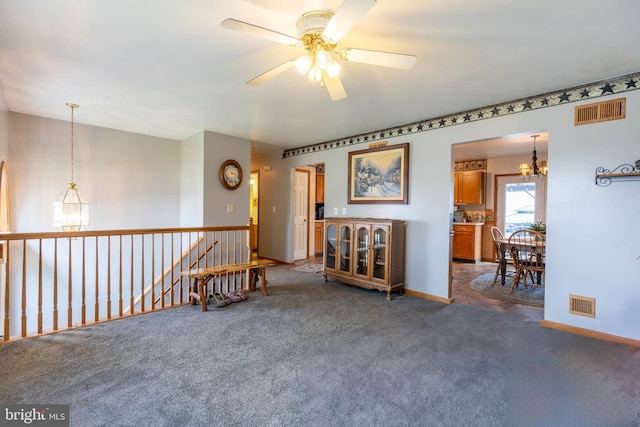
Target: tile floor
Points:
(463, 274)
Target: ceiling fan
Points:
(319, 32)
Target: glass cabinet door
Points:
(380, 236)
(362, 245)
(345, 248)
(331, 238)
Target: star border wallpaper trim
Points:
(583, 92)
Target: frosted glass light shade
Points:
(304, 63)
(333, 70)
(70, 213)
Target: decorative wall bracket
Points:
(604, 177)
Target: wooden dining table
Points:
(504, 248)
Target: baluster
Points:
(84, 284)
(24, 288)
(6, 330)
(120, 279)
(131, 299)
(181, 268)
(70, 290)
(153, 272)
(39, 286)
(142, 303)
(162, 271)
(173, 270)
(97, 304)
(108, 277)
(55, 284)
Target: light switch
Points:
(335, 211)
(274, 209)
(229, 207)
(344, 211)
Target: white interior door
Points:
(301, 215)
(519, 204)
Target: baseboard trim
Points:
(429, 296)
(277, 260)
(589, 333)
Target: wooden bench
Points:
(202, 276)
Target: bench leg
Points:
(202, 293)
(193, 289)
(252, 279)
(254, 274)
(263, 281)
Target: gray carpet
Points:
(316, 354)
(531, 295)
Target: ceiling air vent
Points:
(582, 306)
(601, 111)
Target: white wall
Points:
(4, 127)
(217, 149)
(592, 231)
(192, 181)
(130, 180)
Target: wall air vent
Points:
(582, 306)
(601, 111)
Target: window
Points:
(519, 204)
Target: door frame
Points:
(496, 193)
(306, 218)
(257, 218)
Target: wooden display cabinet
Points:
(365, 252)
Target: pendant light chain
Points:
(72, 106)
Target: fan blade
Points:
(254, 30)
(349, 12)
(334, 87)
(376, 57)
(272, 72)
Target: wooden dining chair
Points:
(503, 258)
(527, 249)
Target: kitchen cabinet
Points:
(320, 188)
(365, 252)
(467, 242)
(468, 188)
(318, 237)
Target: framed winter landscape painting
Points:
(379, 175)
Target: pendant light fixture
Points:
(70, 212)
(538, 169)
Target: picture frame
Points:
(379, 175)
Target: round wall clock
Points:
(231, 174)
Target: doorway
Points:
(526, 202)
(254, 194)
(301, 215)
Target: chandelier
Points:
(320, 51)
(537, 169)
(70, 213)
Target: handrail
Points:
(101, 270)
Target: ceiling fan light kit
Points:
(319, 32)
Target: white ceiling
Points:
(168, 69)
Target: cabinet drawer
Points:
(464, 228)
